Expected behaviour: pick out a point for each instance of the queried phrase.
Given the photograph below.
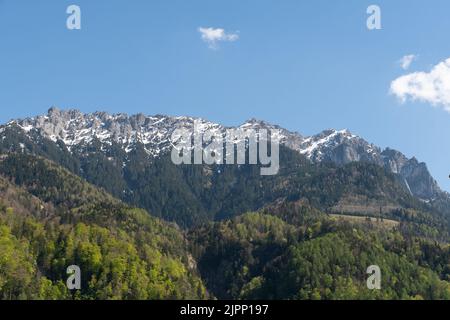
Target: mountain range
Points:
(77, 130)
(100, 191)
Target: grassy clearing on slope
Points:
(390, 224)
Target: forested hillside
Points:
(315, 230)
(194, 194)
(51, 219)
(260, 256)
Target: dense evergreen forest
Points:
(53, 219)
(152, 230)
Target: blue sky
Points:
(306, 65)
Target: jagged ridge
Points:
(75, 128)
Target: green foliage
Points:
(194, 194)
(333, 267)
(258, 256)
(123, 252)
(51, 218)
(232, 252)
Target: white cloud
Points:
(212, 36)
(407, 60)
(432, 87)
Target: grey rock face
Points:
(342, 147)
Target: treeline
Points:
(56, 220)
(259, 256)
(191, 195)
(291, 249)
